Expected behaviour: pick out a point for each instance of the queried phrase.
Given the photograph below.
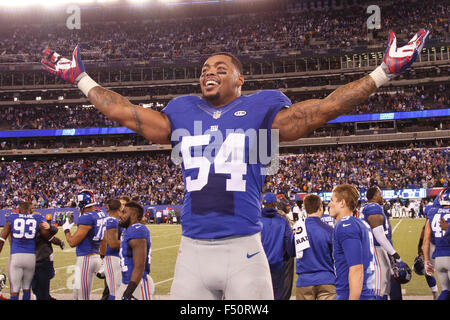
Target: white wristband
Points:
(2, 239)
(86, 84)
(379, 76)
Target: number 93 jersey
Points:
(24, 229)
(96, 219)
(224, 153)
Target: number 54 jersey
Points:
(224, 153)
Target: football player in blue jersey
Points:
(278, 243)
(113, 272)
(222, 196)
(430, 279)
(24, 228)
(135, 255)
(86, 239)
(315, 269)
(386, 256)
(353, 248)
(441, 252)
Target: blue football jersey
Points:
(442, 244)
(328, 220)
(426, 211)
(113, 223)
(91, 243)
(24, 229)
(223, 153)
(353, 245)
(135, 231)
(316, 266)
(371, 208)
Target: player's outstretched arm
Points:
(306, 116)
(151, 124)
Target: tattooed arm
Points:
(306, 116)
(151, 124)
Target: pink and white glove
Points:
(396, 60)
(71, 71)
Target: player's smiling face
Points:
(334, 206)
(220, 80)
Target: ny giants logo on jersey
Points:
(230, 153)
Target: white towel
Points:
(301, 238)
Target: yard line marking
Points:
(157, 283)
(177, 245)
(393, 230)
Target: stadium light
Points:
(49, 3)
(138, 1)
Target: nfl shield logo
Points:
(216, 114)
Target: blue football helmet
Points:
(444, 197)
(404, 273)
(85, 199)
(419, 266)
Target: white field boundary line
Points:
(398, 223)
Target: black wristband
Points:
(396, 256)
(66, 231)
(129, 290)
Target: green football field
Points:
(165, 240)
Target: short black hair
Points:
(237, 63)
(135, 205)
(371, 192)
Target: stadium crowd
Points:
(361, 166)
(241, 34)
(154, 179)
(86, 116)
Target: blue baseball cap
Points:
(269, 197)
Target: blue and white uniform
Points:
(441, 252)
(22, 262)
(222, 197)
(113, 271)
(328, 220)
(87, 252)
(353, 245)
(383, 277)
(145, 288)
